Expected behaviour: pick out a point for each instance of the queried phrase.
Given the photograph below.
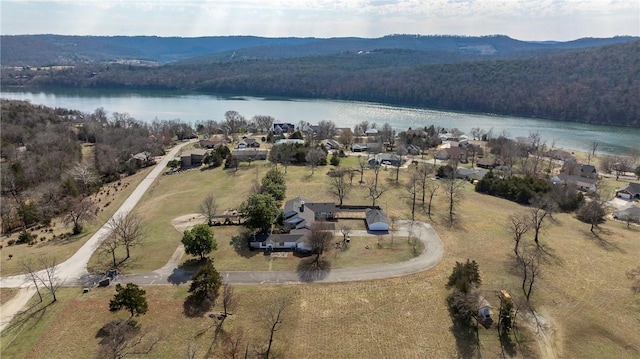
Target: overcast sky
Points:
(520, 19)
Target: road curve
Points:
(73, 271)
(431, 255)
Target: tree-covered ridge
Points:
(49, 50)
(599, 85)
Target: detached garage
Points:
(377, 220)
(631, 191)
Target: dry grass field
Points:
(582, 289)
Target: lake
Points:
(192, 107)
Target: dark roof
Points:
(587, 169)
(295, 221)
(375, 216)
(574, 179)
(632, 187)
(631, 213)
(290, 214)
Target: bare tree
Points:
(48, 278)
(423, 171)
(264, 123)
(592, 212)
(233, 344)
(320, 238)
(413, 188)
(273, 318)
(453, 189)
(376, 190)
(529, 259)
(81, 210)
(208, 208)
(363, 164)
(109, 246)
(338, 185)
(234, 121)
(315, 157)
(401, 152)
(326, 129)
(29, 268)
(432, 189)
(539, 211)
(229, 302)
(594, 147)
(518, 224)
(346, 137)
(127, 228)
(345, 230)
(83, 174)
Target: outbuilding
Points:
(377, 220)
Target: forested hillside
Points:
(599, 85)
(50, 50)
(53, 158)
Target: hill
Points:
(47, 50)
(594, 85)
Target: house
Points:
(330, 144)
(248, 143)
(560, 155)
(359, 147)
(290, 141)
(371, 132)
(193, 157)
(280, 128)
(249, 154)
(588, 171)
(376, 220)
(582, 183)
(631, 191)
(416, 134)
(413, 149)
(487, 162)
(470, 174)
(215, 141)
(287, 241)
(452, 153)
(390, 159)
(631, 214)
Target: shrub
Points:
(24, 237)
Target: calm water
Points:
(147, 106)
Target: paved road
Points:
(73, 271)
(430, 256)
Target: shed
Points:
(376, 220)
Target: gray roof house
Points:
(470, 174)
(631, 214)
(582, 183)
(588, 171)
(376, 220)
(631, 191)
(384, 159)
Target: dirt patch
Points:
(186, 222)
(545, 333)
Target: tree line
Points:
(593, 86)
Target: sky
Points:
(535, 20)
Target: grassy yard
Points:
(582, 286)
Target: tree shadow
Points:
(507, 345)
(464, 332)
(195, 306)
(310, 271)
(240, 244)
(598, 236)
(180, 276)
(28, 315)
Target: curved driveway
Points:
(430, 256)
